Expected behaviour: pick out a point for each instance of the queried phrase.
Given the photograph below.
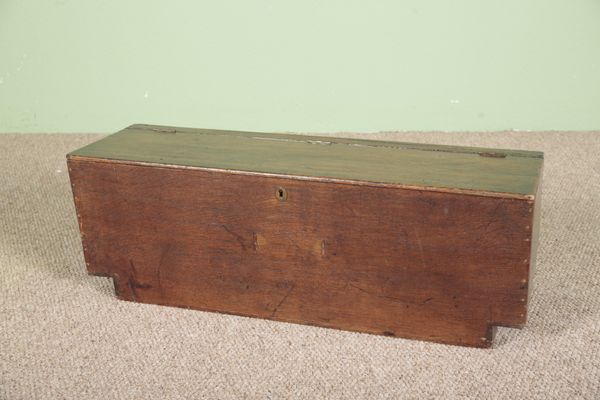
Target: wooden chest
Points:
(399, 239)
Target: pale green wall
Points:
(96, 66)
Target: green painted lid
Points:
(508, 172)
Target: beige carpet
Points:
(63, 335)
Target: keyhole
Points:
(281, 194)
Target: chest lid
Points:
(507, 173)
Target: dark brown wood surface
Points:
(424, 264)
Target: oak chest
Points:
(410, 240)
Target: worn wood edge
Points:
(471, 192)
(320, 139)
(486, 340)
(535, 224)
(538, 181)
(533, 232)
(79, 220)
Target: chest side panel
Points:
(417, 264)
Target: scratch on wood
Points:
(116, 171)
(131, 289)
(361, 289)
(131, 281)
(282, 301)
(394, 299)
(391, 298)
(132, 266)
(161, 262)
(237, 237)
(133, 284)
(420, 249)
(492, 154)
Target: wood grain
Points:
(382, 259)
